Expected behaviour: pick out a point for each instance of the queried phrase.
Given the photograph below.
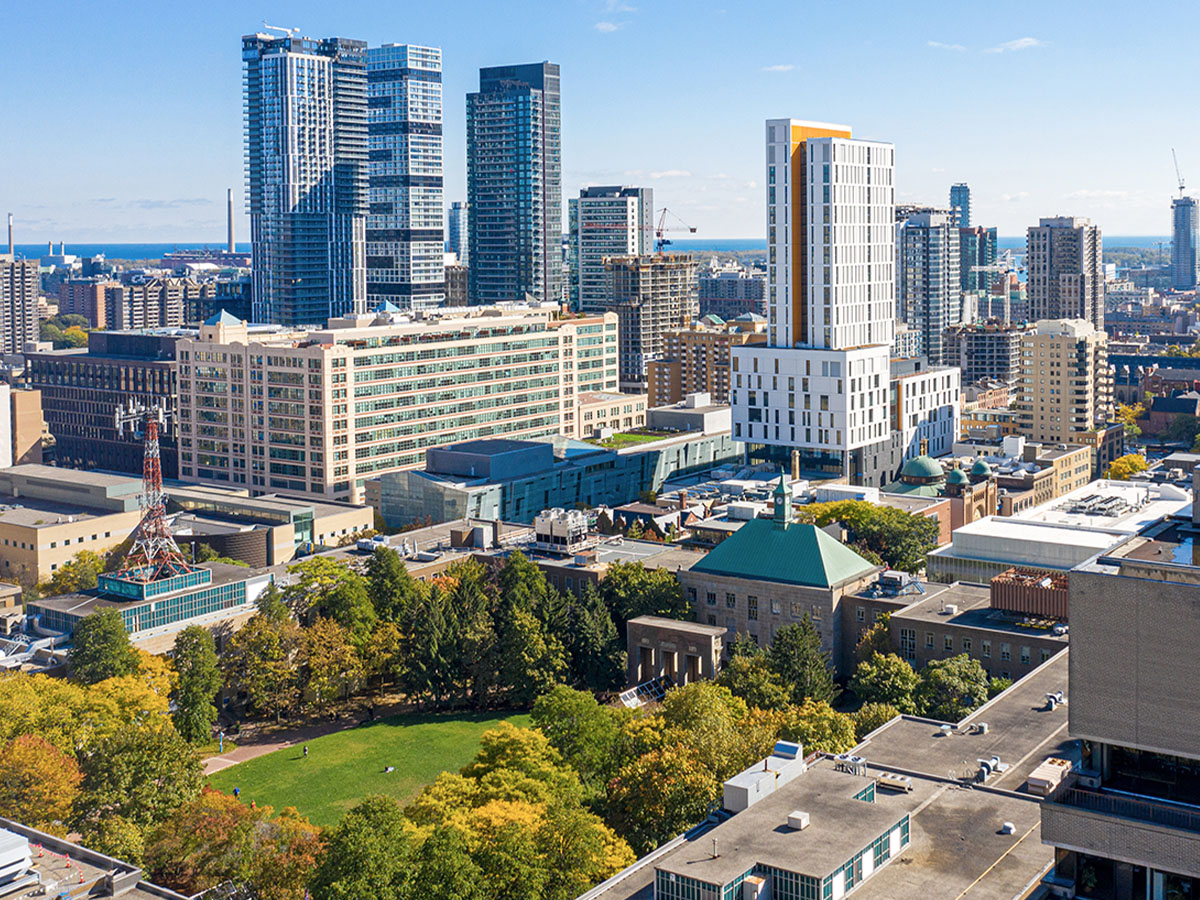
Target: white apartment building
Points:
(926, 412)
(821, 385)
(404, 226)
(603, 222)
(320, 411)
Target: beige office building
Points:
(696, 359)
(319, 412)
(1065, 385)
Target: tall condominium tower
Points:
(1185, 244)
(928, 293)
(651, 295)
(19, 284)
(604, 222)
(960, 204)
(404, 225)
(514, 184)
(821, 384)
(456, 232)
(306, 168)
(1065, 259)
(976, 247)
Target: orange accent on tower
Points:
(799, 225)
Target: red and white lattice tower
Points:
(154, 554)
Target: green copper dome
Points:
(921, 467)
(981, 467)
(957, 476)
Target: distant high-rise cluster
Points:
(928, 289)
(305, 104)
(514, 184)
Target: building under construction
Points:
(651, 295)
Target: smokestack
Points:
(10, 236)
(229, 239)
(62, 248)
(49, 248)
(795, 465)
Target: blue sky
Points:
(123, 121)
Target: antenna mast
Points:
(154, 554)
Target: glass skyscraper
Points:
(404, 225)
(514, 184)
(305, 109)
(456, 231)
(960, 204)
(1185, 244)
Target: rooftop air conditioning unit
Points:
(950, 609)
(798, 820)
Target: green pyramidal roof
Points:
(798, 554)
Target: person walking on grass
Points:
(306, 751)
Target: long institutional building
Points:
(822, 384)
(320, 411)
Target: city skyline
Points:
(698, 151)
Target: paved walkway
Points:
(260, 738)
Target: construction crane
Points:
(1177, 174)
(660, 241)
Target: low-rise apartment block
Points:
(696, 359)
(319, 412)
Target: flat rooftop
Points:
(974, 611)
(83, 603)
(840, 827)
(74, 476)
(61, 865)
(1123, 506)
(30, 512)
(1021, 731)
(679, 625)
(1038, 532)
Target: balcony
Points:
(1137, 830)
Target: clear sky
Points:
(122, 122)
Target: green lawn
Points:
(629, 439)
(344, 767)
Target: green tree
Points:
(312, 581)
(631, 590)
(583, 731)
(349, 604)
(597, 659)
(199, 680)
(951, 688)
(886, 679)
(77, 575)
(422, 655)
(38, 783)
(392, 590)
(533, 661)
(660, 795)
(998, 685)
(804, 669)
(140, 775)
(818, 727)
(511, 864)
(443, 867)
(329, 664)
(1183, 428)
(876, 639)
(752, 679)
(262, 660)
(871, 716)
(743, 645)
(709, 719)
(368, 854)
(521, 763)
(100, 648)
